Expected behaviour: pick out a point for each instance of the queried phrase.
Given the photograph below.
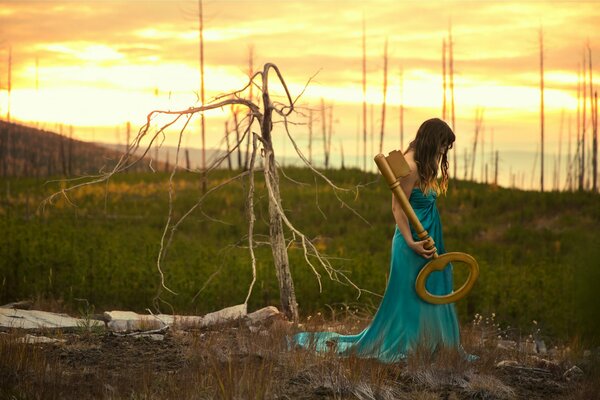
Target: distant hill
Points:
(26, 151)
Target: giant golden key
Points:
(393, 167)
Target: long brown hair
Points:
(431, 144)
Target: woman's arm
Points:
(407, 183)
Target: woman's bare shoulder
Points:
(410, 160)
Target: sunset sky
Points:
(103, 63)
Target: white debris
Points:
(32, 339)
(262, 315)
(224, 315)
(127, 321)
(507, 363)
(33, 319)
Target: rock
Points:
(32, 339)
(507, 363)
(33, 319)
(573, 373)
(262, 315)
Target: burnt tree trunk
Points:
(287, 294)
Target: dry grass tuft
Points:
(488, 387)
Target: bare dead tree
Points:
(227, 143)
(250, 98)
(478, 126)
(329, 133)
(202, 99)
(70, 157)
(451, 71)
(383, 103)
(593, 113)
(482, 140)
(583, 126)
(402, 108)
(324, 131)
(357, 157)
(277, 215)
(444, 79)
(9, 87)
(236, 127)
(310, 134)
(578, 142)
(595, 147)
(560, 140)
(496, 169)
(542, 109)
(364, 87)
(342, 154)
(372, 133)
(569, 179)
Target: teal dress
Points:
(403, 321)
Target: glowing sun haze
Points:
(102, 63)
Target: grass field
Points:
(539, 253)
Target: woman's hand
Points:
(420, 248)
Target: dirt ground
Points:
(234, 363)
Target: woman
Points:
(404, 321)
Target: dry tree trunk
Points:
(478, 122)
(582, 153)
(329, 132)
(444, 116)
(496, 170)
(576, 168)
(324, 132)
(343, 167)
(451, 68)
(227, 144)
(560, 140)
(236, 125)
(542, 110)
(287, 294)
(364, 87)
(70, 158)
(593, 113)
(569, 158)
(310, 134)
(202, 121)
(250, 98)
(385, 83)
(372, 133)
(9, 88)
(595, 146)
(402, 109)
